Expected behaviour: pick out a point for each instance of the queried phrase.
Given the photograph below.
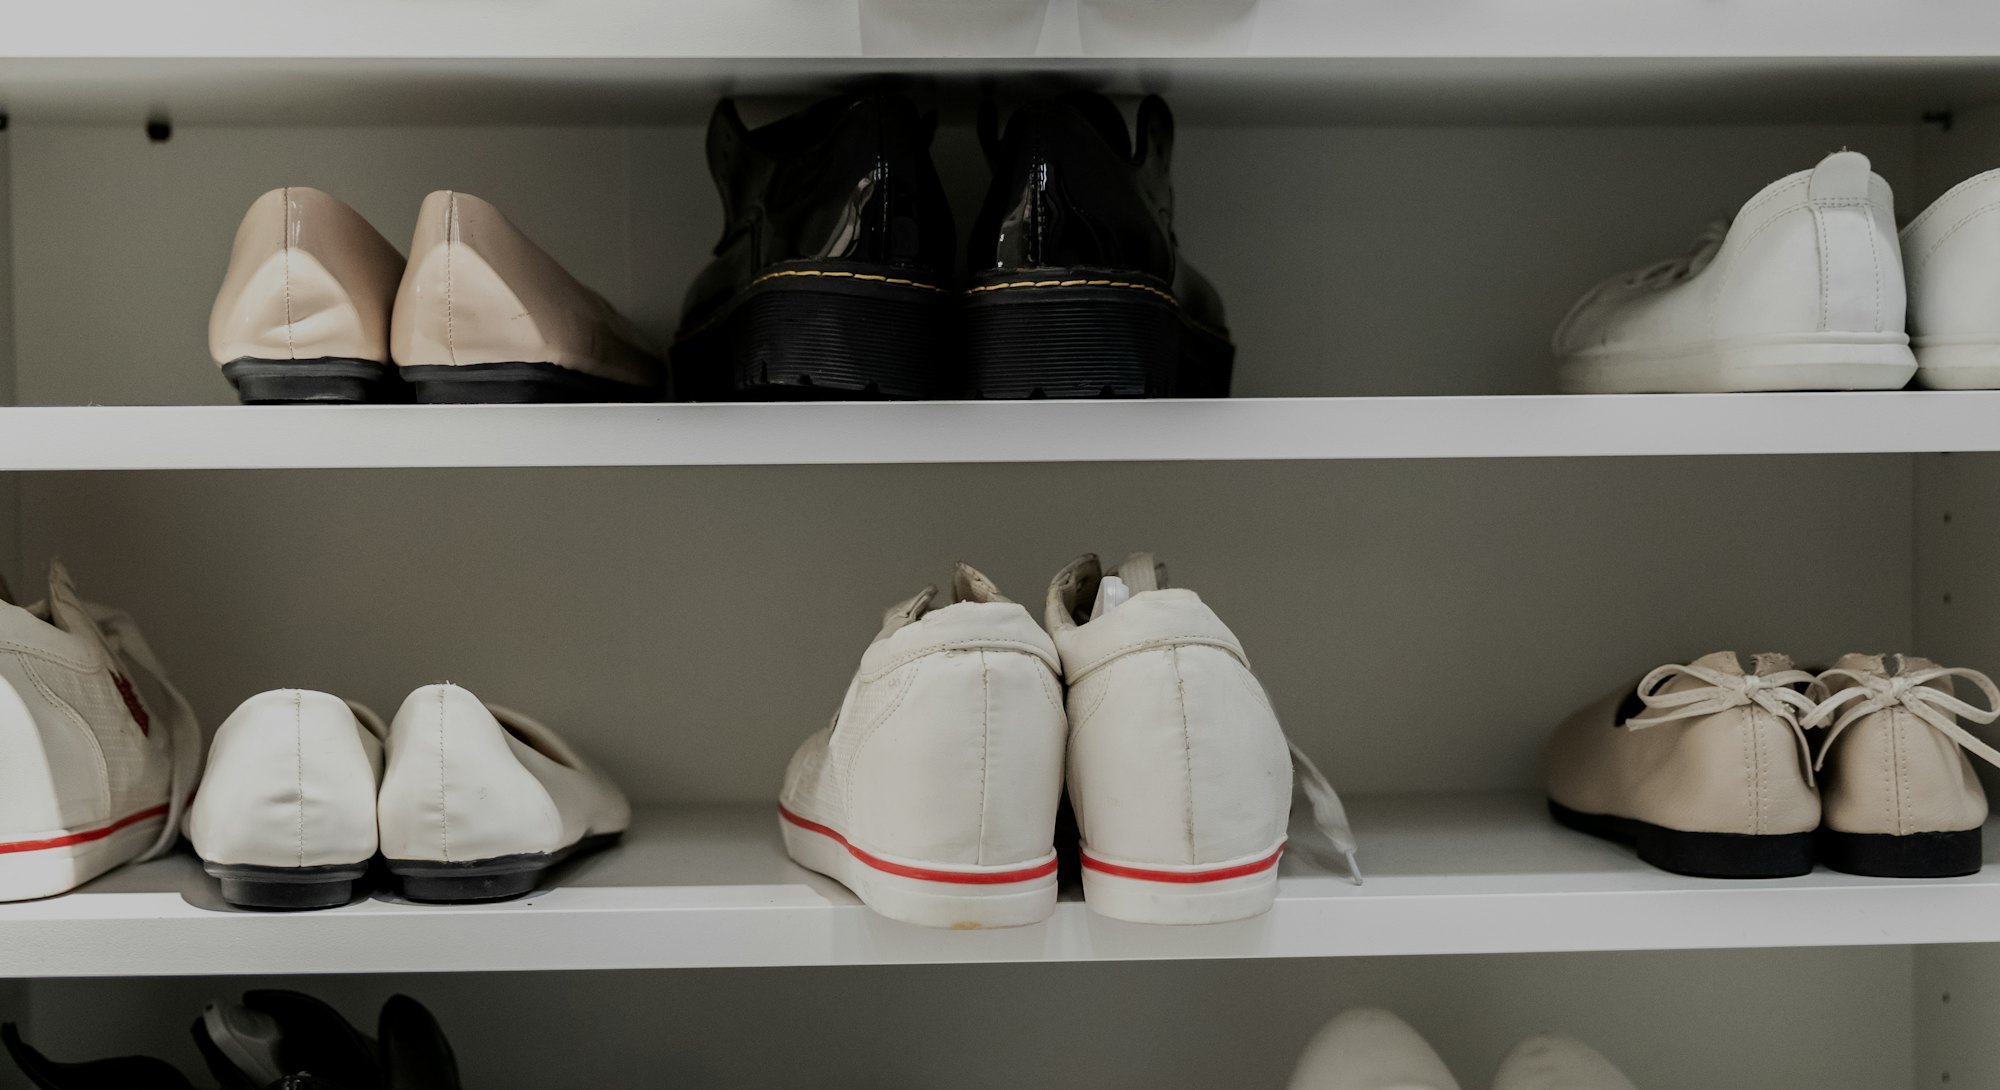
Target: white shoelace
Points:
(1872, 692)
(1721, 691)
(1657, 275)
(1329, 816)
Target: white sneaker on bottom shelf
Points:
(478, 802)
(97, 751)
(1370, 1050)
(932, 795)
(1802, 291)
(1179, 774)
(285, 817)
(1558, 1063)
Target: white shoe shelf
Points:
(710, 887)
(859, 433)
(1430, 558)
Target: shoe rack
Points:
(1430, 556)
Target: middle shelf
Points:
(710, 887)
(854, 433)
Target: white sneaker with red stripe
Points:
(1178, 771)
(932, 795)
(97, 752)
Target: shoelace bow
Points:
(1871, 692)
(1328, 814)
(1720, 692)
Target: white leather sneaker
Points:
(303, 312)
(1179, 774)
(1704, 766)
(1558, 1063)
(1802, 291)
(285, 817)
(478, 802)
(1951, 257)
(1901, 797)
(100, 751)
(485, 315)
(1370, 1050)
(932, 794)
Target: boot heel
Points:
(328, 380)
(823, 333)
(1914, 855)
(1072, 334)
(249, 886)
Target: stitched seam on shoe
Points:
(1746, 729)
(1148, 288)
(1821, 236)
(444, 812)
(1763, 777)
(837, 274)
(285, 236)
(81, 666)
(1925, 258)
(868, 732)
(299, 766)
(1889, 803)
(985, 751)
(1047, 678)
(75, 718)
(1103, 689)
(926, 651)
(450, 331)
(1906, 815)
(1187, 744)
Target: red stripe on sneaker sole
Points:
(1184, 877)
(962, 878)
(86, 836)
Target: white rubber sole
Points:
(1234, 889)
(1959, 366)
(1803, 361)
(46, 864)
(955, 896)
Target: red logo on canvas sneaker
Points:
(132, 704)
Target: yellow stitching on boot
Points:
(1074, 284)
(898, 281)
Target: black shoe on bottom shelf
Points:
(831, 277)
(1078, 288)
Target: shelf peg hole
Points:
(159, 130)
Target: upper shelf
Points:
(1257, 61)
(849, 433)
(711, 887)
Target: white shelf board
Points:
(710, 887)
(848, 433)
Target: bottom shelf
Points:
(710, 886)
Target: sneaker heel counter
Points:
(967, 767)
(1239, 763)
(36, 764)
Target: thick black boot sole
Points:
(824, 332)
(1087, 333)
(1699, 855)
(516, 384)
(249, 886)
(321, 381)
(500, 878)
(1915, 855)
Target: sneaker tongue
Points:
(906, 612)
(969, 584)
(1141, 572)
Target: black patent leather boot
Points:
(831, 277)
(1077, 285)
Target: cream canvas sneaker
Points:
(285, 817)
(101, 752)
(932, 794)
(1951, 257)
(1902, 799)
(1370, 1050)
(484, 315)
(303, 312)
(1558, 1063)
(1179, 774)
(478, 802)
(1802, 291)
(1704, 766)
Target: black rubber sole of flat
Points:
(516, 384)
(1699, 855)
(500, 878)
(824, 331)
(288, 888)
(1915, 855)
(1087, 333)
(329, 380)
